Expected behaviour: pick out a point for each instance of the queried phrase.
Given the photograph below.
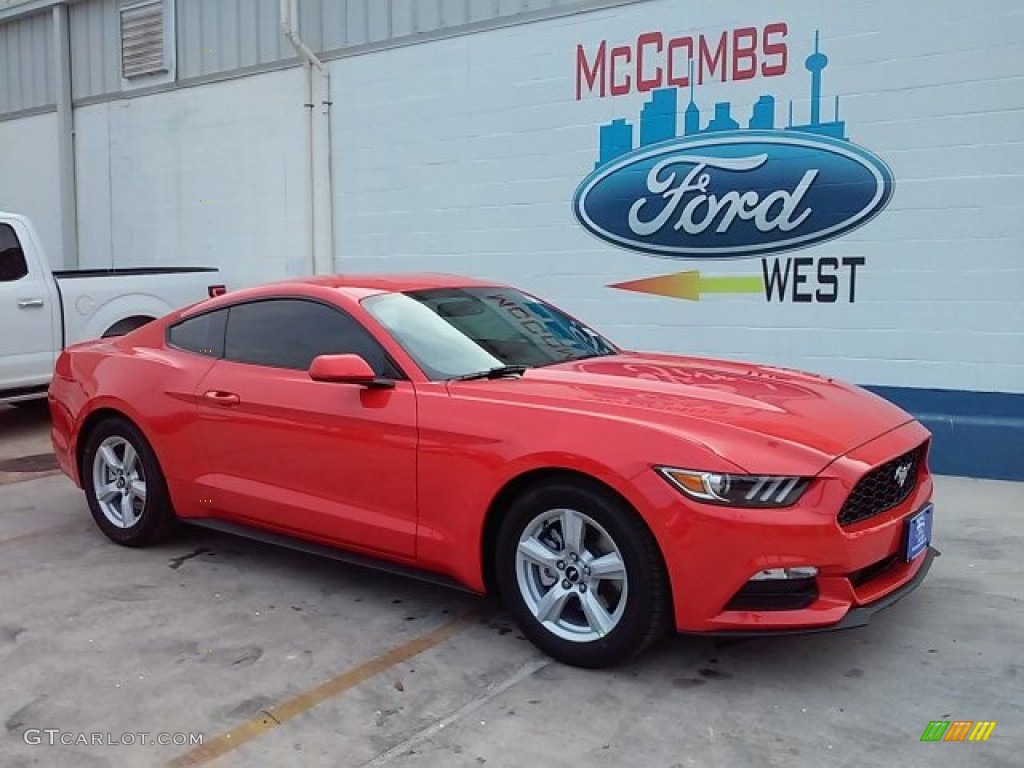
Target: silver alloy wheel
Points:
(119, 482)
(571, 575)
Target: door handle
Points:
(222, 398)
(28, 303)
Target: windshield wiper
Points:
(493, 373)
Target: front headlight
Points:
(737, 490)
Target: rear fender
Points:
(86, 415)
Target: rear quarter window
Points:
(203, 334)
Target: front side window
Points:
(290, 333)
(12, 259)
(453, 332)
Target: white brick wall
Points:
(28, 176)
(463, 155)
(209, 175)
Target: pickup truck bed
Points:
(43, 311)
(70, 274)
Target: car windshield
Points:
(454, 332)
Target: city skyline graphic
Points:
(659, 117)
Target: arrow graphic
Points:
(690, 285)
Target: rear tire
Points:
(581, 574)
(124, 485)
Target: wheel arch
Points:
(127, 325)
(518, 485)
(93, 420)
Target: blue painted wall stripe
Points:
(975, 434)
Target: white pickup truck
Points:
(42, 311)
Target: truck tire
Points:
(129, 324)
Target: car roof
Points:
(357, 287)
(397, 282)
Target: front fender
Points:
(570, 462)
(472, 448)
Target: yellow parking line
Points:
(271, 718)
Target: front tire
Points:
(582, 574)
(124, 485)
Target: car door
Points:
(27, 341)
(330, 461)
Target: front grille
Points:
(880, 489)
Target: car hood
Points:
(760, 418)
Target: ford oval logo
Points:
(736, 194)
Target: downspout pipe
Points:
(65, 137)
(318, 106)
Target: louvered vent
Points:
(142, 39)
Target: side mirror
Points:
(346, 369)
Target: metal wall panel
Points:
(215, 37)
(26, 63)
(334, 25)
(95, 48)
(224, 35)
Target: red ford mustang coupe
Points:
(472, 433)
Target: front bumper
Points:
(712, 552)
(855, 617)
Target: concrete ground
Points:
(279, 658)
(25, 450)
